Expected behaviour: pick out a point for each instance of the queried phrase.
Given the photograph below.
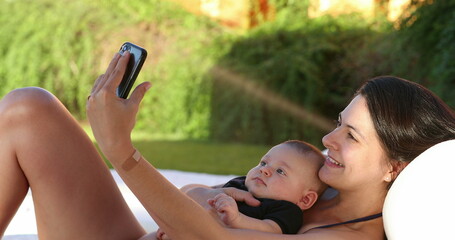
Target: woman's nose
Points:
(329, 140)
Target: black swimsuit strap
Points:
(362, 219)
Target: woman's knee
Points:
(28, 103)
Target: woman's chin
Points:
(326, 175)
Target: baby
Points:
(285, 181)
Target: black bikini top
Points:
(362, 219)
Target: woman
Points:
(387, 124)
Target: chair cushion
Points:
(421, 202)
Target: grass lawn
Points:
(197, 156)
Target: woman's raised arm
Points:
(112, 120)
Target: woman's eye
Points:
(337, 122)
(351, 137)
(280, 171)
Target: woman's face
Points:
(355, 156)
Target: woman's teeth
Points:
(334, 162)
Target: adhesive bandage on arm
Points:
(132, 161)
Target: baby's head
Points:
(288, 171)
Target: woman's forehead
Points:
(357, 116)
(357, 106)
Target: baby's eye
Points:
(280, 171)
(262, 163)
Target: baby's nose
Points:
(266, 171)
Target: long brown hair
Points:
(408, 117)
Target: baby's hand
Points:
(226, 208)
(161, 235)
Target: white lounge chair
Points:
(420, 204)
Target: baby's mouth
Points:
(259, 180)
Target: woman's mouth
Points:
(332, 163)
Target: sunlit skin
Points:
(54, 157)
(282, 174)
(358, 168)
(355, 156)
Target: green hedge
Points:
(302, 64)
(315, 64)
(51, 44)
(318, 63)
(64, 45)
(426, 40)
(419, 48)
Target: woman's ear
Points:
(395, 168)
(307, 200)
(389, 176)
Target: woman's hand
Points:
(112, 118)
(242, 196)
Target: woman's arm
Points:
(175, 213)
(112, 120)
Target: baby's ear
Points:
(307, 200)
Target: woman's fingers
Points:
(139, 92)
(101, 80)
(242, 196)
(97, 83)
(115, 75)
(113, 62)
(112, 65)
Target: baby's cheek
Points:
(291, 192)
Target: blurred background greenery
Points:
(217, 89)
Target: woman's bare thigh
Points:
(74, 194)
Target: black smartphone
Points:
(137, 59)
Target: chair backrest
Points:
(421, 202)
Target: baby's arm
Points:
(227, 210)
(202, 193)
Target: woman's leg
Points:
(43, 147)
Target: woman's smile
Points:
(332, 163)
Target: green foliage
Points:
(427, 39)
(421, 49)
(179, 57)
(315, 64)
(291, 8)
(64, 45)
(300, 63)
(318, 63)
(44, 45)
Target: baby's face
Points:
(282, 174)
